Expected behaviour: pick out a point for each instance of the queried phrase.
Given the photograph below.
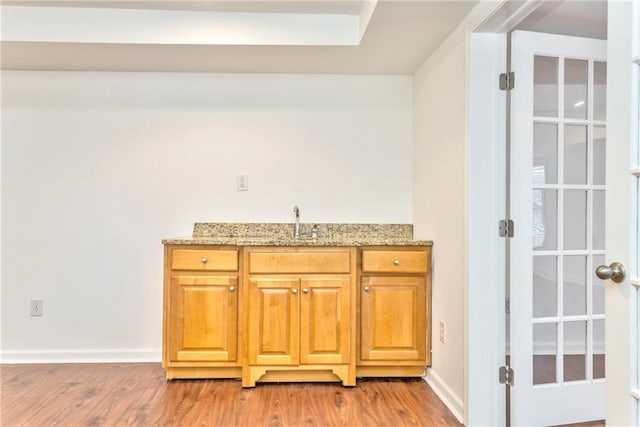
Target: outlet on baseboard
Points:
(443, 327)
(37, 307)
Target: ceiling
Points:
(261, 6)
(399, 36)
(572, 18)
(395, 36)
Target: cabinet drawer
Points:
(299, 262)
(204, 259)
(394, 261)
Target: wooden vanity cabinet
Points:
(296, 313)
(300, 323)
(394, 321)
(201, 312)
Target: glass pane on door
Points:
(575, 285)
(575, 154)
(545, 153)
(575, 351)
(598, 349)
(599, 90)
(575, 219)
(545, 352)
(545, 219)
(599, 154)
(545, 286)
(545, 86)
(598, 220)
(598, 286)
(576, 74)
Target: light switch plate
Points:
(242, 182)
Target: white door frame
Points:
(485, 272)
(485, 402)
(620, 365)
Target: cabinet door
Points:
(203, 318)
(273, 336)
(324, 321)
(392, 319)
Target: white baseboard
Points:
(570, 347)
(80, 356)
(448, 397)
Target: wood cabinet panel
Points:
(203, 318)
(393, 316)
(299, 262)
(204, 259)
(324, 321)
(273, 328)
(379, 261)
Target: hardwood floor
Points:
(137, 394)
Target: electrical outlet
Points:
(242, 182)
(37, 307)
(442, 331)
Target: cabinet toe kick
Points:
(311, 373)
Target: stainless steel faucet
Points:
(296, 225)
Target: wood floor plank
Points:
(138, 394)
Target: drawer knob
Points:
(366, 289)
(204, 260)
(294, 291)
(232, 288)
(305, 290)
(396, 262)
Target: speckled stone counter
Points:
(281, 234)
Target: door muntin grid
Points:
(568, 219)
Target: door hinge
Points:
(506, 375)
(507, 306)
(505, 228)
(507, 80)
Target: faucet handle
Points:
(314, 231)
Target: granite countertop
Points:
(275, 234)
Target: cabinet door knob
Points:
(232, 288)
(204, 260)
(305, 290)
(396, 262)
(366, 289)
(294, 291)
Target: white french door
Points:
(558, 141)
(622, 208)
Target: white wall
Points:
(439, 205)
(97, 168)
